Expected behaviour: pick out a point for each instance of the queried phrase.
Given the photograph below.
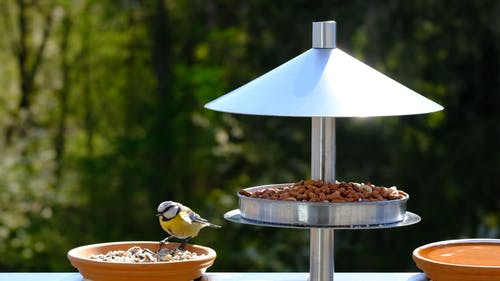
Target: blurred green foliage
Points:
(102, 118)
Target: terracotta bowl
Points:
(114, 271)
(460, 260)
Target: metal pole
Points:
(321, 266)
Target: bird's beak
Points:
(158, 214)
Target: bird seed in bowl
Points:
(137, 254)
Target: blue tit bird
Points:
(180, 222)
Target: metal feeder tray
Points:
(320, 214)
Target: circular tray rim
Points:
(235, 216)
(308, 203)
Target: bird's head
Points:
(167, 210)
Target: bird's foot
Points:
(163, 242)
(160, 246)
(182, 247)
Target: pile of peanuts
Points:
(319, 191)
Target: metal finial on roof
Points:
(324, 34)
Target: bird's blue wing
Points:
(194, 217)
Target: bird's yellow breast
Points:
(180, 228)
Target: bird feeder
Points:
(323, 83)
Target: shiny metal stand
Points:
(322, 83)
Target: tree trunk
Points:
(87, 81)
(60, 139)
(163, 136)
(27, 70)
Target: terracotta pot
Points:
(115, 271)
(460, 260)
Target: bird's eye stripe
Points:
(170, 213)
